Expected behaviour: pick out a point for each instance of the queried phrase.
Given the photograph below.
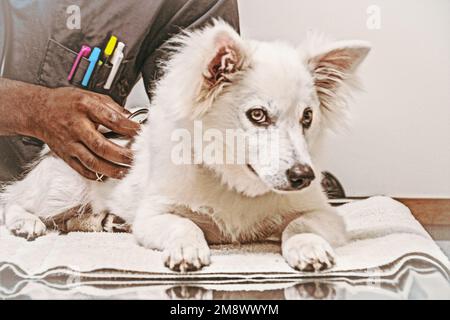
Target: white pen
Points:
(116, 60)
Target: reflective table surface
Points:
(416, 279)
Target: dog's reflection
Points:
(306, 290)
(187, 292)
(311, 290)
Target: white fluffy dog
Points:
(225, 83)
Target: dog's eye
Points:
(258, 116)
(307, 118)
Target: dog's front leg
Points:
(308, 241)
(181, 240)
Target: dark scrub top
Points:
(40, 49)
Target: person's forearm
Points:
(17, 101)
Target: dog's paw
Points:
(308, 252)
(29, 228)
(113, 223)
(185, 257)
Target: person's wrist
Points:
(35, 111)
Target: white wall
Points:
(399, 142)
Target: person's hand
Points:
(67, 120)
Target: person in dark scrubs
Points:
(39, 105)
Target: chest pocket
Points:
(58, 62)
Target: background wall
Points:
(399, 143)
(399, 140)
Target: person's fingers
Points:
(67, 155)
(70, 159)
(109, 102)
(75, 164)
(119, 109)
(104, 148)
(113, 120)
(98, 165)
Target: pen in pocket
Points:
(108, 50)
(93, 59)
(116, 61)
(84, 53)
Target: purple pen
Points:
(84, 52)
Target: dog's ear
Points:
(203, 63)
(225, 61)
(333, 67)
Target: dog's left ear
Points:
(334, 66)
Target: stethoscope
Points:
(6, 34)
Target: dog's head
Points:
(279, 97)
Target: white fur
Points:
(243, 205)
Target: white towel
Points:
(388, 236)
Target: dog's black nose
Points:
(300, 176)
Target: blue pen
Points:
(93, 59)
